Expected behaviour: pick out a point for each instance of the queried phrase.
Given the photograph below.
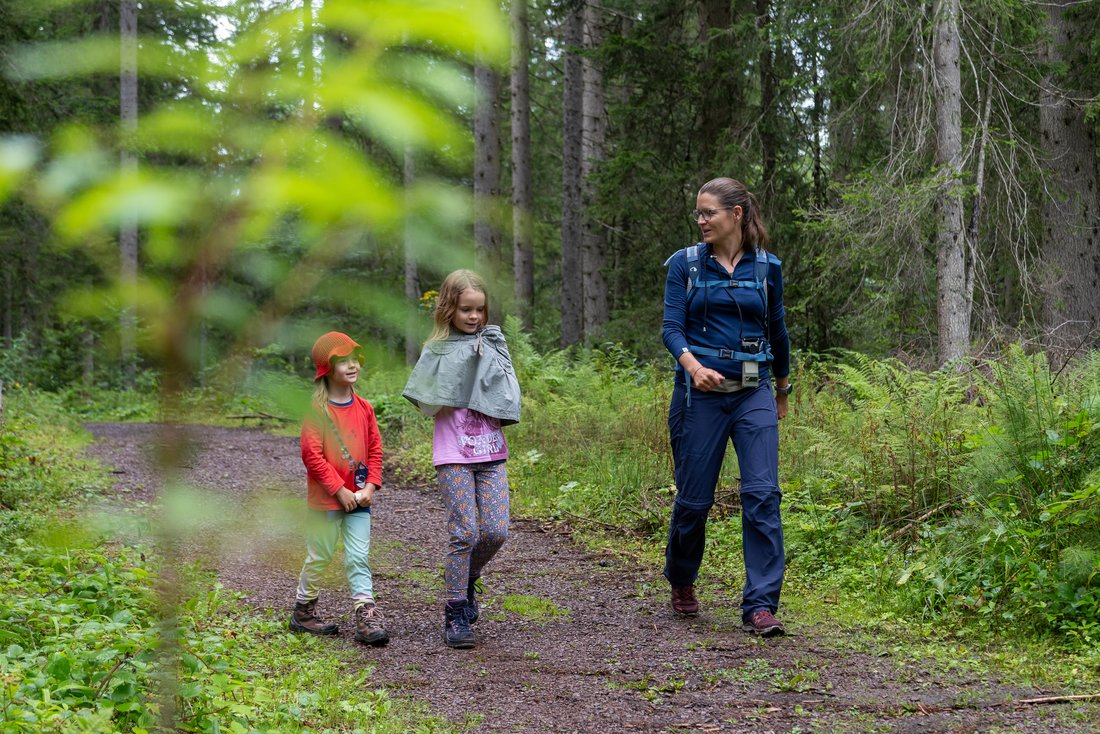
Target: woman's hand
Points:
(346, 498)
(705, 379)
(781, 405)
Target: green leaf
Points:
(60, 667)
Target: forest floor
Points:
(571, 640)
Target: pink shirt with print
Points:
(464, 436)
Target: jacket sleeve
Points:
(674, 325)
(778, 337)
(372, 437)
(313, 456)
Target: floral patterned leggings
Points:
(476, 498)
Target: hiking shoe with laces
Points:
(684, 602)
(370, 626)
(472, 609)
(305, 619)
(456, 626)
(763, 623)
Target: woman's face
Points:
(723, 225)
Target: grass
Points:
(96, 635)
(534, 608)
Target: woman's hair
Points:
(730, 193)
(447, 302)
(321, 390)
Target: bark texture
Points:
(953, 308)
(486, 164)
(1070, 263)
(523, 260)
(571, 198)
(593, 143)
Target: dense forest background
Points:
(929, 173)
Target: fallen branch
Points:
(258, 416)
(909, 526)
(1053, 699)
(582, 518)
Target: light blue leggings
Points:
(324, 529)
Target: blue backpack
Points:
(694, 255)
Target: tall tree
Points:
(572, 204)
(953, 305)
(128, 234)
(593, 141)
(769, 114)
(523, 260)
(486, 163)
(1070, 259)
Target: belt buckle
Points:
(725, 354)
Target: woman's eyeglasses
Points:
(707, 214)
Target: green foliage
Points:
(88, 644)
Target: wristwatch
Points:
(784, 390)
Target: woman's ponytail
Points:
(753, 230)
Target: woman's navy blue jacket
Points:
(720, 318)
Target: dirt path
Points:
(618, 661)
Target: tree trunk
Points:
(523, 260)
(953, 306)
(1070, 262)
(724, 91)
(769, 115)
(128, 236)
(412, 274)
(571, 201)
(594, 287)
(486, 165)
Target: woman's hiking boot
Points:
(305, 619)
(369, 625)
(456, 626)
(472, 609)
(762, 622)
(684, 602)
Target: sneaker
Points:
(472, 609)
(456, 626)
(369, 625)
(305, 619)
(684, 602)
(763, 623)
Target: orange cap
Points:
(332, 345)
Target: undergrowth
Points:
(89, 641)
(967, 499)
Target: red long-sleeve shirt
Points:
(326, 468)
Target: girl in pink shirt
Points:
(468, 451)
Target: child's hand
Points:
(346, 499)
(365, 496)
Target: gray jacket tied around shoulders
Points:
(467, 371)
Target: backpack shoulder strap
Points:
(693, 255)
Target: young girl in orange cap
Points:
(342, 451)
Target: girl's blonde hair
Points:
(447, 302)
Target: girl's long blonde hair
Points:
(447, 303)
